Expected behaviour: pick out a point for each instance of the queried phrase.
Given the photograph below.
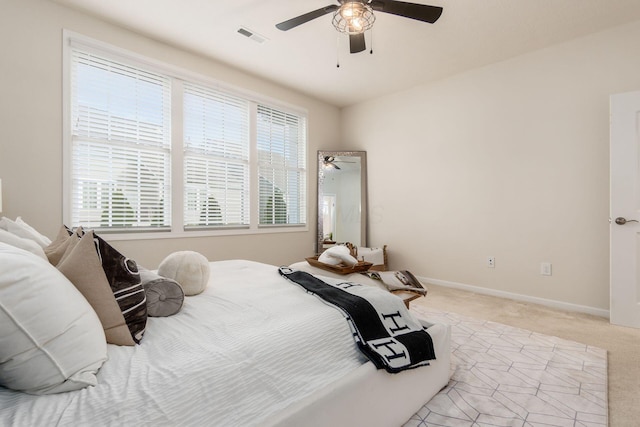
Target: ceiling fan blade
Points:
(356, 43)
(420, 12)
(298, 20)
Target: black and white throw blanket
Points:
(382, 326)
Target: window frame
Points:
(178, 76)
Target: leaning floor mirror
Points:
(342, 198)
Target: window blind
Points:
(281, 140)
(216, 159)
(120, 145)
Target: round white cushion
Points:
(190, 269)
(51, 340)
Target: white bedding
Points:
(237, 354)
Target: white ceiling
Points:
(470, 34)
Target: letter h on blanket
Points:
(382, 326)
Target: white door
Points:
(625, 209)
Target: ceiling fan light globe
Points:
(346, 11)
(353, 18)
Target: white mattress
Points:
(237, 354)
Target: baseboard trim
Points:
(518, 297)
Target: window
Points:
(281, 156)
(216, 161)
(146, 141)
(120, 145)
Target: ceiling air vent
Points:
(252, 35)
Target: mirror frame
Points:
(363, 194)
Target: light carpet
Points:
(505, 376)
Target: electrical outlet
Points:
(545, 268)
(491, 262)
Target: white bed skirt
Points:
(371, 397)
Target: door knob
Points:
(622, 221)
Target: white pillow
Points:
(336, 255)
(21, 243)
(24, 230)
(38, 237)
(51, 340)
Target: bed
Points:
(252, 349)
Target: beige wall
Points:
(31, 128)
(510, 161)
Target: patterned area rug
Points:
(505, 376)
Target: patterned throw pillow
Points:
(124, 279)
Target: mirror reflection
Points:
(341, 198)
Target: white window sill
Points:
(155, 235)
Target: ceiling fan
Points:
(354, 17)
(329, 162)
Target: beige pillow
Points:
(65, 238)
(82, 266)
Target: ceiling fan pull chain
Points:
(338, 51)
(371, 41)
